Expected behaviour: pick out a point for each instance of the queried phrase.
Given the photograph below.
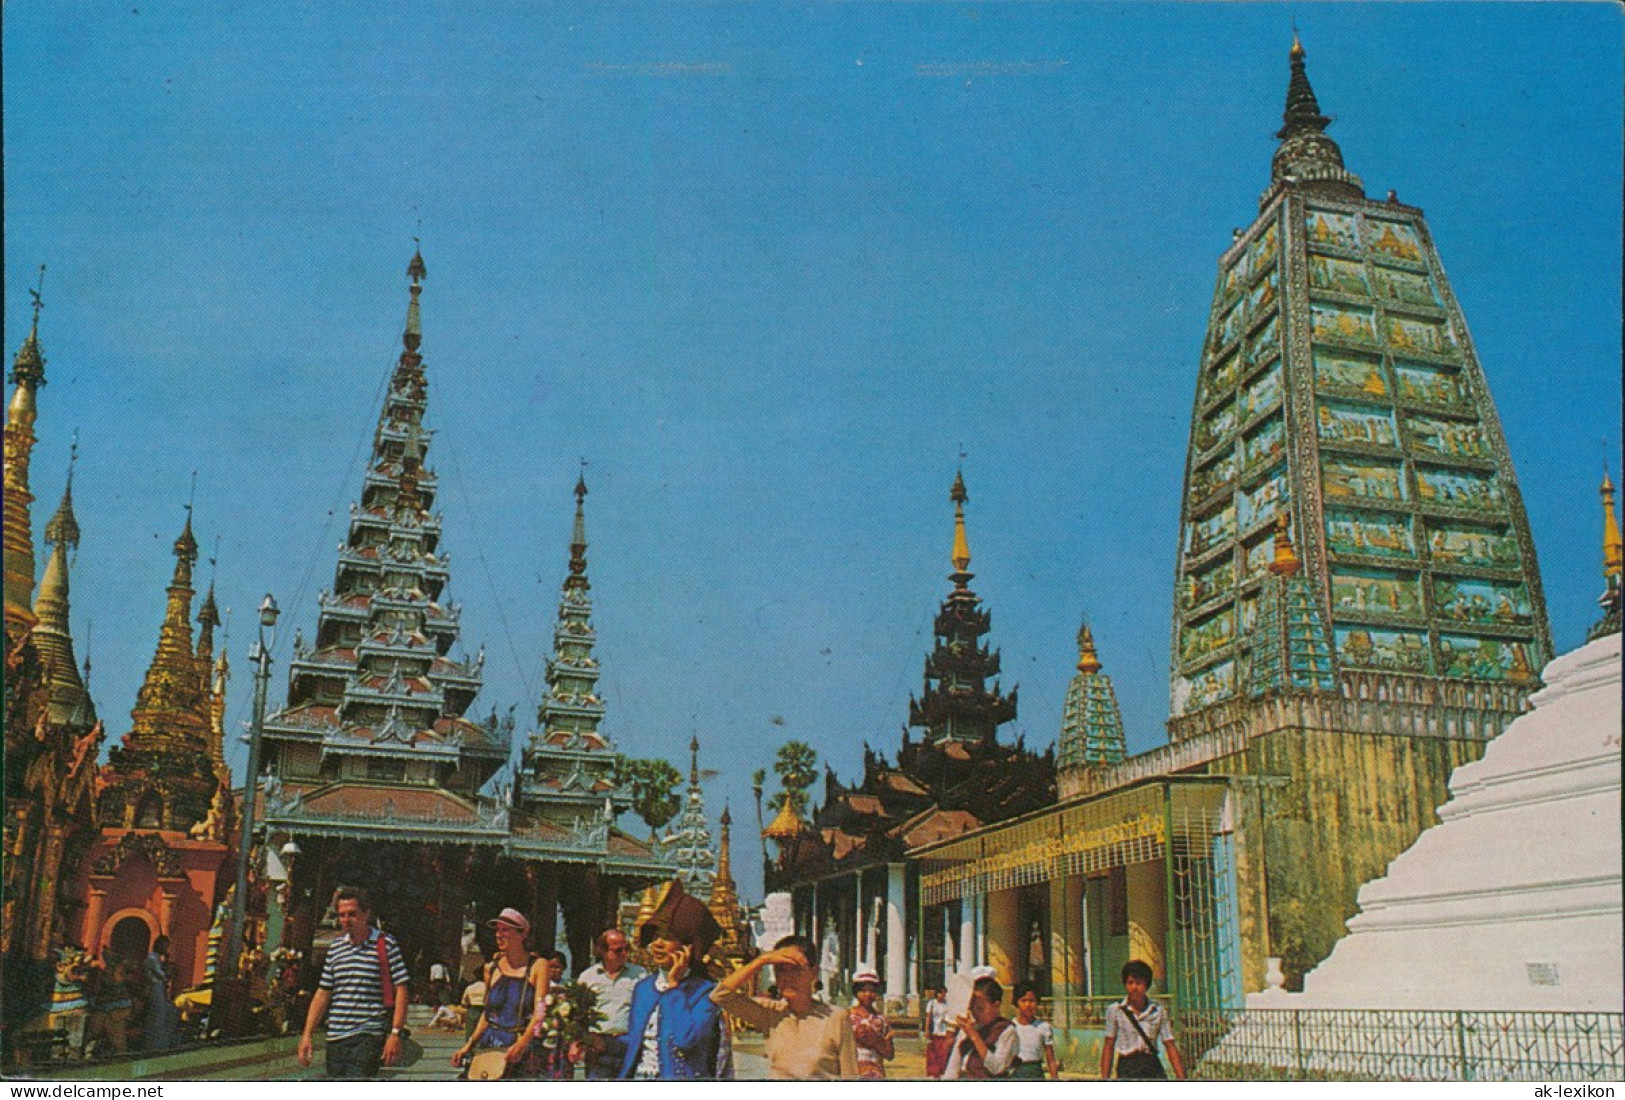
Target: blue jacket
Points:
(688, 1031)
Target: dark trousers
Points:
(606, 1064)
(1142, 1065)
(356, 1058)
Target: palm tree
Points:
(654, 786)
(758, 780)
(797, 767)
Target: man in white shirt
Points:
(612, 978)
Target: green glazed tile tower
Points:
(1357, 606)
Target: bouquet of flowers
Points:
(572, 1015)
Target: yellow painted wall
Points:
(1351, 803)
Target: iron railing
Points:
(1401, 1045)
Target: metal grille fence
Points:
(1402, 1045)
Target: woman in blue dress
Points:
(516, 984)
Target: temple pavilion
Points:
(377, 777)
(852, 890)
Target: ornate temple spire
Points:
(1302, 110)
(577, 580)
(412, 337)
(172, 685)
(1613, 561)
(961, 556)
(956, 704)
(690, 842)
(27, 376)
(1307, 158)
(70, 703)
(153, 777)
(1612, 558)
(724, 900)
(1091, 722)
(568, 758)
(1088, 662)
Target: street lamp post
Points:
(260, 655)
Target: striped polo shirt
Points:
(351, 974)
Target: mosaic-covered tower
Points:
(1091, 723)
(1342, 416)
(1340, 388)
(956, 704)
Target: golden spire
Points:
(1612, 559)
(27, 376)
(1088, 662)
(1286, 560)
(646, 909)
(70, 704)
(788, 824)
(961, 558)
(169, 706)
(724, 901)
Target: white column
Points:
(948, 944)
(968, 907)
(897, 968)
(859, 936)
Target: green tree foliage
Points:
(654, 785)
(797, 767)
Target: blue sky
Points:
(769, 268)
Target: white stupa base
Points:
(1510, 906)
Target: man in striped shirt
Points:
(366, 996)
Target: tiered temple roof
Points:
(569, 762)
(958, 777)
(688, 845)
(373, 740)
(567, 800)
(956, 704)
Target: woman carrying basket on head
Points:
(516, 984)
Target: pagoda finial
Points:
(1307, 157)
(62, 529)
(27, 376)
(417, 272)
(1302, 109)
(1088, 660)
(28, 369)
(694, 761)
(578, 535)
(1613, 561)
(1286, 560)
(961, 556)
